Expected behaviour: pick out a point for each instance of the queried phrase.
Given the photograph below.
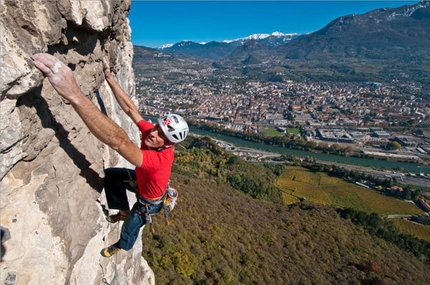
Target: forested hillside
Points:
(231, 227)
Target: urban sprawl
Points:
(360, 114)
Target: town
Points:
(365, 116)
(369, 116)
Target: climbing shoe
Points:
(115, 218)
(110, 250)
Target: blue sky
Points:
(157, 23)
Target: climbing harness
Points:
(147, 216)
(103, 281)
(168, 199)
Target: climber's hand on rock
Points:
(106, 68)
(59, 74)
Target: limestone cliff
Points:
(51, 167)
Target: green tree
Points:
(393, 145)
(407, 193)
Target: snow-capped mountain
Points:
(217, 50)
(262, 37)
(166, 46)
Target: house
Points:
(425, 204)
(396, 190)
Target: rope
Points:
(103, 281)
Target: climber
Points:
(152, 161)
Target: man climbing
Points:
(153, 160)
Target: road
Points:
(407, 180)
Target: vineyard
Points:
(421, 231)
(298, 183)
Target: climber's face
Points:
(156, 138)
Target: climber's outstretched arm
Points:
(62, 79)
(123, 99)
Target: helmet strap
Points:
(164, 147)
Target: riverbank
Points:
(383, 164)
(266, 156)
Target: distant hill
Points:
(252, 49)
(213, 50)
(152, 62)
(147, 55)
(402, 33)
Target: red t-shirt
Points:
(154, 173)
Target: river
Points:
(369, 162)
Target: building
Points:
(406, 141)
(381, 134)
(425, 204)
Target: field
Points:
(275, 133)
(272, 132)
(298, 183)
(293, 130)
(418, 230)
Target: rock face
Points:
(51, 167)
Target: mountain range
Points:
(383, 45)
(354, 35)
(219, 50)
(378, 34)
